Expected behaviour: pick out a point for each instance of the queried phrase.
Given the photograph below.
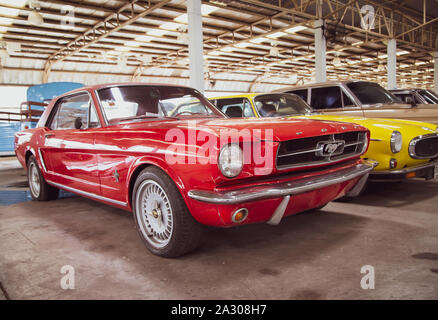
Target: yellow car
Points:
(404, 149)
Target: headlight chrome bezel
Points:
(396, 141)
(236, 169)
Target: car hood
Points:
(380, 128)
(281, 128)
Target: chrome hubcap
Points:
(154, 213)
(34, 180)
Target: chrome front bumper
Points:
(286, 189)
(400, 174)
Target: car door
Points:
(68, 149)
(333, 100)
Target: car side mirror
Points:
(78, 123)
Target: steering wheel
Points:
(184, 112)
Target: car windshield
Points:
(430, 96)
(281, 104)
(133, 103)
(371, 93)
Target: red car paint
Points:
(87, 160)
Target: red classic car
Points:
(159, 151)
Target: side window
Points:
(406, 98)
(235, 107)
(347, 100)
(326, 98)
(71, 113)
(301, 93)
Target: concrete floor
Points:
(393, 227)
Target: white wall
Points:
(11, 97)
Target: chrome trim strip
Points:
(300, 152)
(87, 194)
(282, 189)
(279, 212)
(354, 143)
(414, 141)
(42, 160)
(375, 139)
(407, 170)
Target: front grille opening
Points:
(307, 151)
(427, 148)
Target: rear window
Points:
(371, 93)
(430, 96)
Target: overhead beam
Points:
(99, 31)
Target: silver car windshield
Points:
(281, 104)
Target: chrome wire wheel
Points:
(154, 213)
(34, 180)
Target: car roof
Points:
(121, 84)
(317, 84)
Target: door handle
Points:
(48, 135)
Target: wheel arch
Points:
(140, 164)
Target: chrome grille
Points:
(424, 147)
(314, 151)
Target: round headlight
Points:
(231, 160)
(396, 142)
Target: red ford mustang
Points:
(166, 153)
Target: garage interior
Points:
(245, 46)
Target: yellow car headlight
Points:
(396, 142)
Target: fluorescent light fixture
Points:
(241, 45)
(171, 25)
(258, 40)
(215, 53)
(228, 49)
(367, 59)
(358, 43)
(207, 9)
(182, 18)
(403, 52)
(144, 38)
(419, 63)
(122, 49)
(7, 21)
(157, 32)
(276, 35)
(295, 29)
(132, 44)
(9, 11)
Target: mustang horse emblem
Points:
(330, 148)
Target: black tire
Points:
(45, 192)
(185, 231)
